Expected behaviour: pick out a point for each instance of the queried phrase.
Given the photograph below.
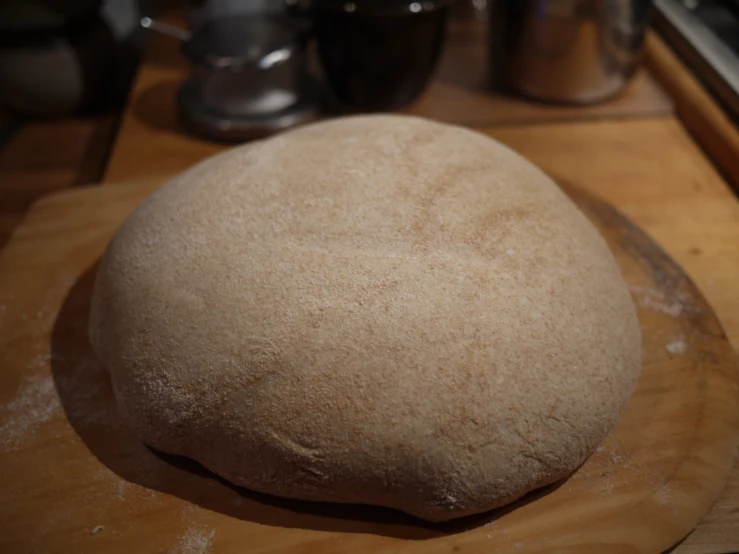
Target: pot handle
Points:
(165, 29)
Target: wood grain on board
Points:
(77, 480)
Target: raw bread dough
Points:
(379, 309)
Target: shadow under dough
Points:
(86, 395)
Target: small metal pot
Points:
(379, 54)
(247, 65)
(565, 51)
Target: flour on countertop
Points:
(194, 541)
(35, 403)
(676, 347)
(121, 487)
(36, 400)
(611, 468)
(654, 299)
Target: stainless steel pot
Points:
(577, 51)
(248, 75)
(247, 65)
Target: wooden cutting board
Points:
(74, 479)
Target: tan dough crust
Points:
(381, 310)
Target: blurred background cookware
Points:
(199, 12)
(379, 54)
(55, 56)
(249, 59)
(248, 75)
(575, 51)
(63, 57)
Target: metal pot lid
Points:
(381, 7)
(243, 40)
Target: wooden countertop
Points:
(633, 151)
(42, 157)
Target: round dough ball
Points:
(380, 310)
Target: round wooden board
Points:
(74, 479)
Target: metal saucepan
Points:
(246, 65)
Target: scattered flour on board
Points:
(646, 297)
(663, 496)
(674, 500)
(35, 403)
(194, 541)
(611, 469)
(120, 487)
(676, 347)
